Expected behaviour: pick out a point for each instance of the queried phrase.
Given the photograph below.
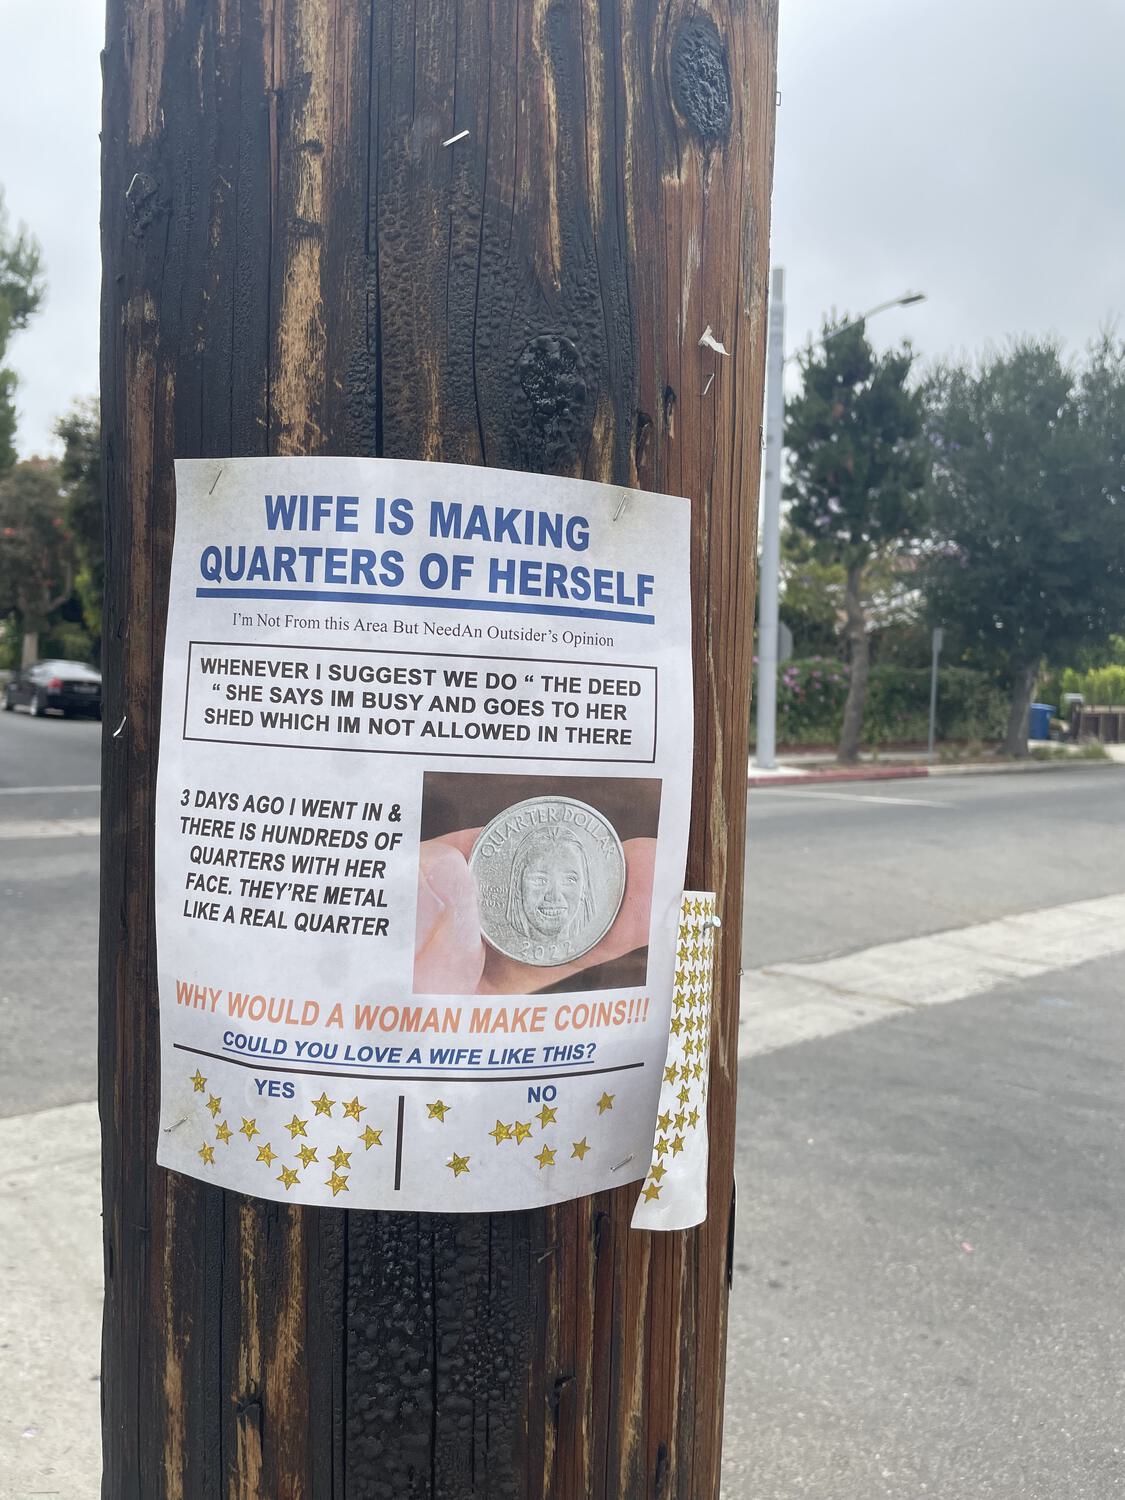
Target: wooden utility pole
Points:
(299, 259)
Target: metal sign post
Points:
(939, 636)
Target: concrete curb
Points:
(860, 773)
(905, 773)
(1021, 767)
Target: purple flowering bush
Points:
(810, 699)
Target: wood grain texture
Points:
(295, 263)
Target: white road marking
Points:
(41, 791)
(808, 795)
(787, 1003)
(51, 828)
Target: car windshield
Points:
(80, 668)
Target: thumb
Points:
(448, 952)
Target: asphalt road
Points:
(929, 1294)
(832, 870)
(49, 797)
(929, 1282)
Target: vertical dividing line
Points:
(398, 1142)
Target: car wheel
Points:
(39, 705)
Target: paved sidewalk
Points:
(928, 1280)
(50, 1304)
(797, 1002)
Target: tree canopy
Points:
(80, 474)
(1028, 495)
(857, 472)
(36, 550)
(21, 291)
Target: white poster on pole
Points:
(422, 815)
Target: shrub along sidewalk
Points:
(811, 693)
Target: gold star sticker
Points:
(546, 1116)
(684, 1095)
(693, 1118)
(438, 1111)
(223, 1132)
(296, 1127)
(267, 1154)
(340, 1157)
(353, 1109)
(206, 1154)
(307, 1155)
(580, 1149)
(458, 1164)
(661, 1148)
(657, 1171)
(249, 1128)
(681, 1120)
(676, 1026)
(337, 1183)
(288, 1177)
(198, 1082)
(605, 1102)
(521, 1131)
(214, 1105)
(665, 1121)
(651, 1192)
(501, 1132)
(546, 1158)
(677, 1145)
(371, 1138)
(685, 1073)
(670, 1073)
(697, 1072)
(323, 1105)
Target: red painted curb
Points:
(861, 773)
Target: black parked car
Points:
(70, 686)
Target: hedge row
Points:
(1105, 686)
(811, 694)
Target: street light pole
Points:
(769, 576)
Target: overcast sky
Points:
(970, 149)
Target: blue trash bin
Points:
(1039, 721)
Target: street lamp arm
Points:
(906, 300)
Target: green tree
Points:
(21, 291)
(36, 550)
(812, 594)
(80, 472)
(1028, 493)
(856, 477)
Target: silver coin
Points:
(550, 876)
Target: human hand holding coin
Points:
(542, 892)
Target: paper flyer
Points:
(422, 816)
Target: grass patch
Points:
(1091, 751)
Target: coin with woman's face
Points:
(550, 875)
